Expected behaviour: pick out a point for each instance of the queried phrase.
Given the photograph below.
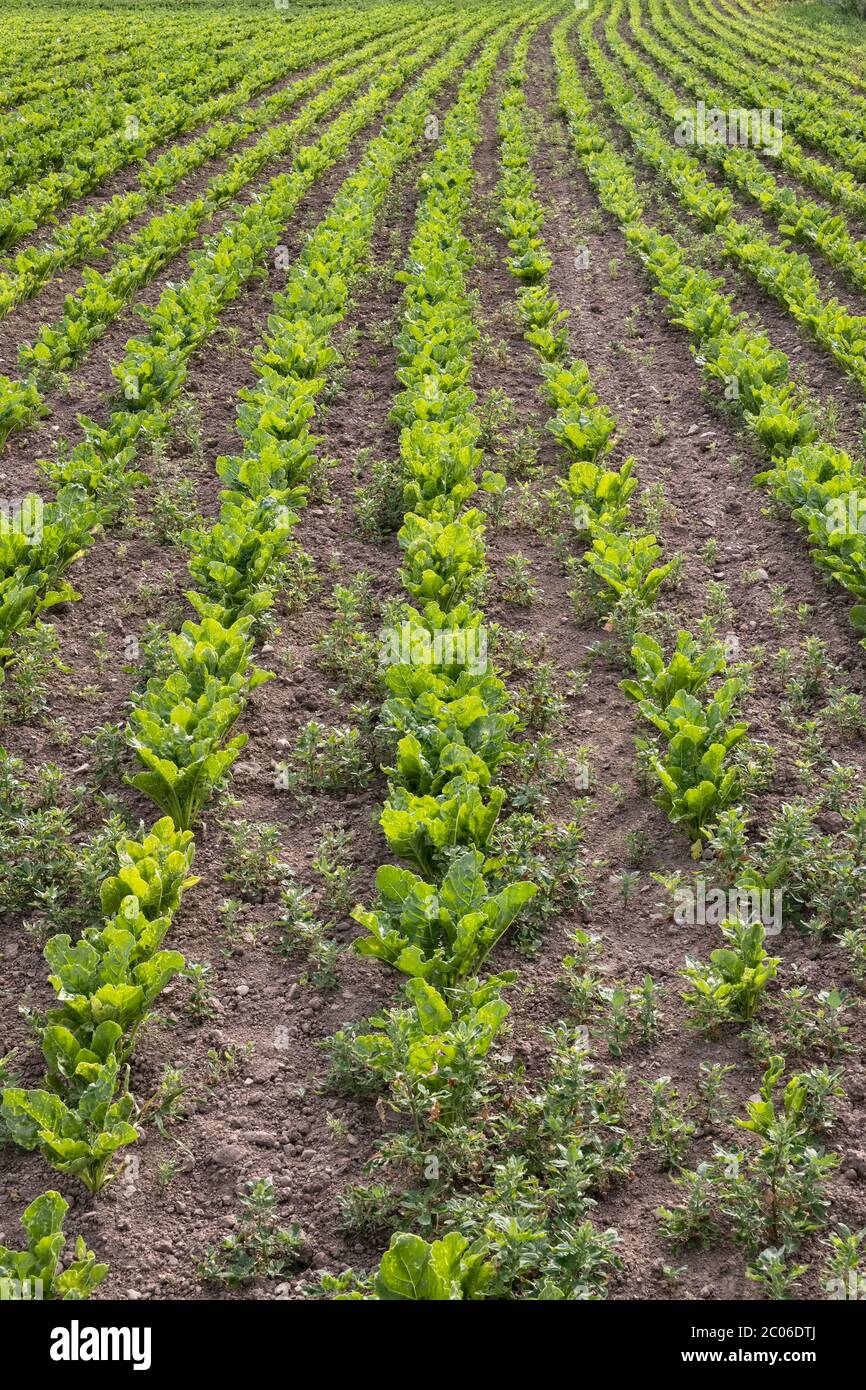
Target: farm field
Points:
(433, 651)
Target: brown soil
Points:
(271, 1116)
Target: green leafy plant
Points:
(107, 980)
(439, 935)
(626, 564)
(427, 1057)
(447, 1269)
(81, 1141)
(599, 497)
(260, 1248)
(773, 1272)
(729, 987)
(657, 682)
(180, 727)
(694, 783)
(36, 1271)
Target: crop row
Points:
(181, 724)
(153, 370)
(786, 275)
(58, 347)
(22, 212)
(777, 414)
(809, 223)
(84, 233)
(445, 716)
(694, 778)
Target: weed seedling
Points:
(260, 1248)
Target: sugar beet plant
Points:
(446, 713)
(36, 1272)
(106, 983)
(695, 784)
